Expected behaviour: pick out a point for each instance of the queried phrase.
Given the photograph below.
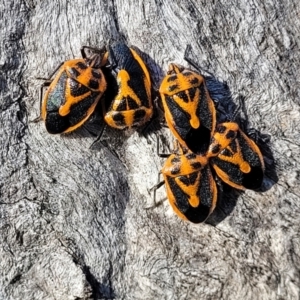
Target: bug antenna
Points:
(186, 57)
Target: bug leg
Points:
(51, 75)
(251, 132)
(154, 189)
(101, 50)
(258, 137)
(98, 58)
(240, 106)
(163, 155)
(192, 62)
(45, 84)
(98, 137)
(159, 182)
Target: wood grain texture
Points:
(77, 223)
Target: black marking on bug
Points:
(96, 74)
(139, 115)
(234, 145)
(196, 165)
(172, 78)
(188, 179)
(188, 73)
(175, 159)
(119, 119)
(194, 214)
(183, 96)
(185, 180)
(227, 152)
(233, 171)
(131, 103)
(175, 170)
(205, 193)
(195, 80)
(122, 105)
(192, 92)
(191, 155)
(221, 128)
(230, 134)
(249, 155)
(203, 110)
(173, 87)
(56, 98)
(77, 89)
(93, 84)
(121, 58)
(74, 72)
(193, 177)
(81, 65)
(216, 149)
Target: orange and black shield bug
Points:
(235, 157)
(130, 104)
(190, 186)
(189, 110)
(73, 94)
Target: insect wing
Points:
(72, 96)
(191, 189)
(240, 164)
(131, 105)
(189, 110)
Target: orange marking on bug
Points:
(88, 114)
(184, 87)
(236, 158)
(127, 95)
(191, 189)
(86, 75)
(124, 90)
(185, 165)
(147, 79)
(229, 145)
(190, 106)
(220, 139)
(185, 79)
(65, 109)
(186, 168)
(83, 76)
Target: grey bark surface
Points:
(78, 223)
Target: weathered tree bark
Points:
(75, 222)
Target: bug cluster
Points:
(116, 73)
(205, 148)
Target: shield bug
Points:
(189, 110)
(129, 91)
(73, 94)
(191, 188)
(235, 157)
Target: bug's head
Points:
(97, 60)
(175, 69)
